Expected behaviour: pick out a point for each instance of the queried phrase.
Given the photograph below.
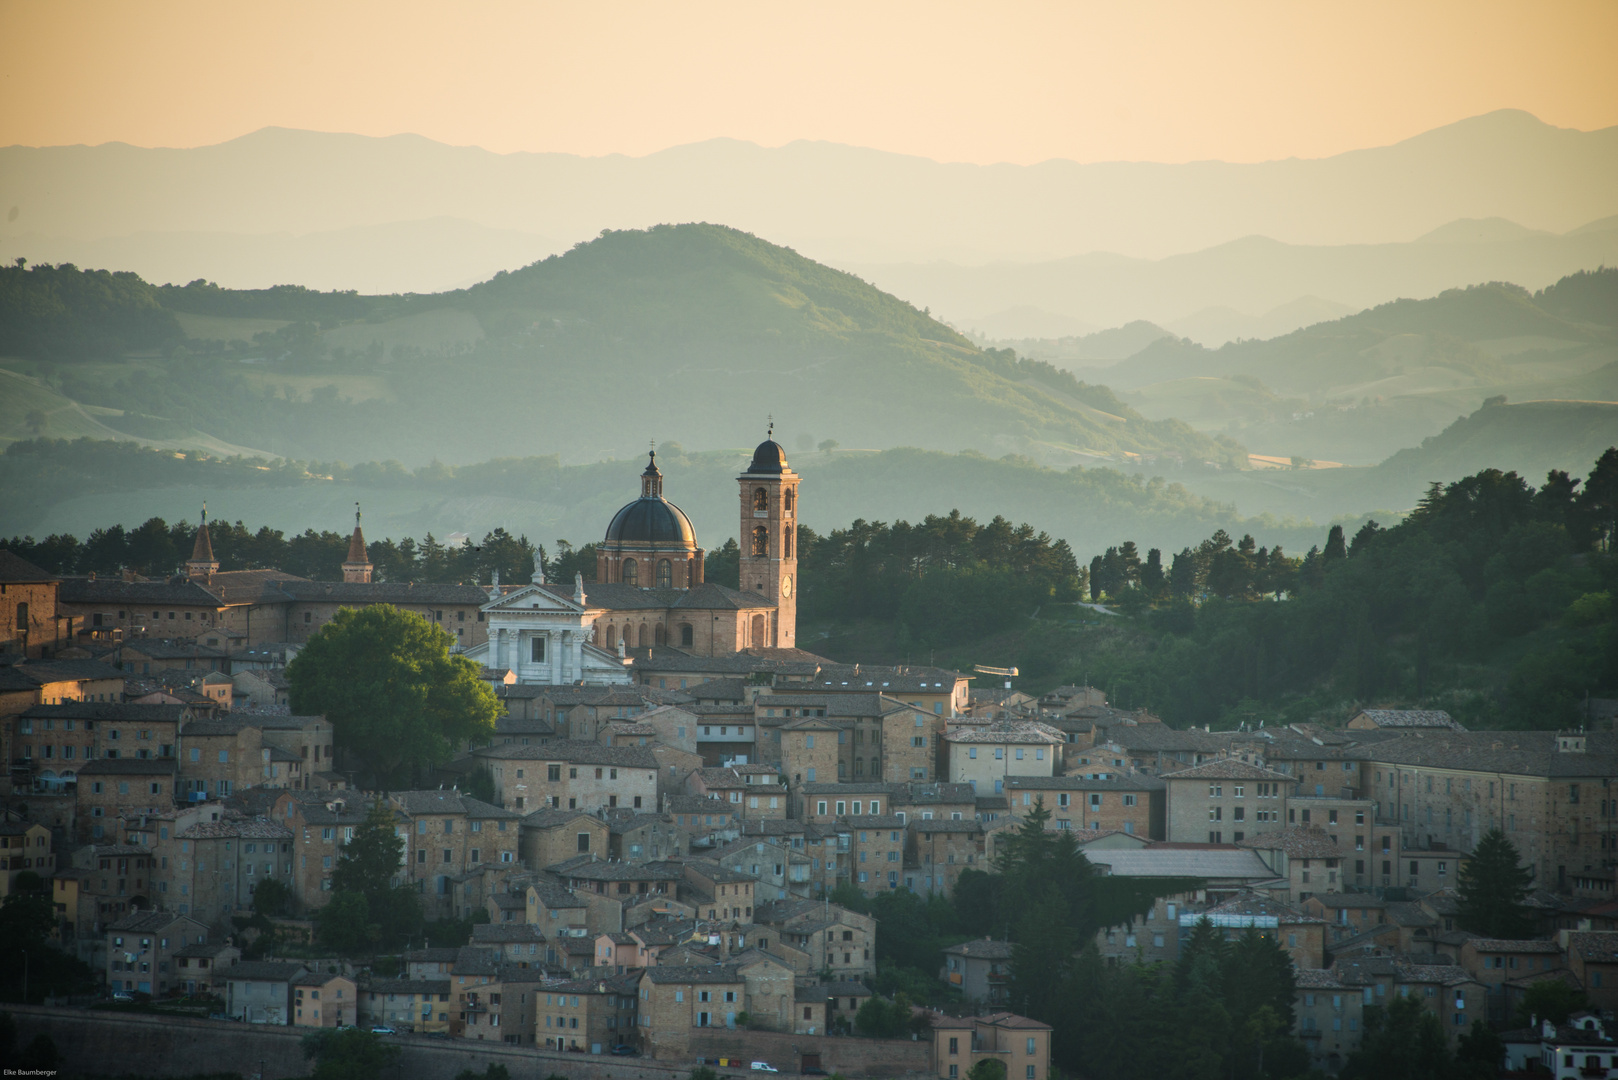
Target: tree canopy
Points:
(1491, 887)
(396, 698)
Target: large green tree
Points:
(367, 909)
(348, 1054)
(1491, 888)
(396, 697)
(1403, 1041)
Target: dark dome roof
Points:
(651, 520)
(768, 458)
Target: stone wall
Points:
(845, 1054)
(114, 1043)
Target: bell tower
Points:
(768, 537)
(357, 567)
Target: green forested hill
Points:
(696, 333)
(1354, 389)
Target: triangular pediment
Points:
(532, 598)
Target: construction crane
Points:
(1006, 673)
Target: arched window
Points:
(786, 542)
(761, 541)
(631, 572)
(691, 573)
(612, 637)
(665, 574)
(645, 636)
(761, 499)
(790, 498)
(22, 615)
(758, 640)
(687, 635)
(661, 635)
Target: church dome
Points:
(651, 520)
(768, 458)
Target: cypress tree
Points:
(1491, 888)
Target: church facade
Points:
(651, 589)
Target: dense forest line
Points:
(1493, 599)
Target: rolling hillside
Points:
(698, 333)
(1355, 388)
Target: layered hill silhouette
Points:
(694, 332)
(240, 210)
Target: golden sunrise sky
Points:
(977, 82)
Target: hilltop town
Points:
(678, 839)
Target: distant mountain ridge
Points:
(839, 204)
(1236, 288)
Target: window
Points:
(631, 572)
(761, 541)
(665, 574)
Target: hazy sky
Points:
(981, 82)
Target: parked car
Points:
(625, 1050)
(764, 1066)
(814, 1070)
(122, 995)
(380, 1030)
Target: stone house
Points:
(808, 751)
(1022, 1045)
(551, 836)
(320, 826)
(216, 866)
(324, 1000)
(1225, 801)
(1328, 1017)
(988, 755)
(31, 627)
(634, 836)
(1135, 803)
(572, 775)
(448, 833)
(24, 846)
(141, 949)
(416, 1004)
(940, 850)
(718, 891)
(1593, 957)
(980, 970)
(261, 992)
(201, 969)
(1303, 856)
(109, 787)
(675, 1001)
(519, 944)
(876, 851)
(1301, 935)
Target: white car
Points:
(380, 1030)
(764, 1066)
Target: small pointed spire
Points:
(357, 567)
(202, 562)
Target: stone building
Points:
(141, 948)
(30, 624)
(1225, 801)
(1021, 1045)
(987, 756)
(570, 774)
(448, 833)
(1135, 803)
